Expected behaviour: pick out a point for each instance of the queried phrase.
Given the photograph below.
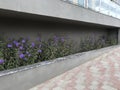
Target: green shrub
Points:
(15, 53)
(20, 52)
(90, 44)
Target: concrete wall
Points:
(58, 8)
(15, 28)
(113, 34)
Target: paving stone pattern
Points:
(102, 73)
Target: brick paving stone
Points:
(102, 73)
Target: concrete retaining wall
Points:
(24, 78)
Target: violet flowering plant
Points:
(20, 52)
(39, 51)
(16, 43)
(21, 56)
(23, 41)
(2, 61)
(32, 44)
(9, 45)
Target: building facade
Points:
(75, 18)
(107, 7)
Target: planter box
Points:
(26, 77)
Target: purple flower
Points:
(56, 38)
(62, 39)
(21, 56)
(39, 51)
(33, 44)
(21, 47)
(1, 61)
(16, 43)
(9, 45)
(23, 41)
(29, 55)
(27, 52)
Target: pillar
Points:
(119, 36)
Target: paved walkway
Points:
(102, 73)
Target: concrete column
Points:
(119, 36)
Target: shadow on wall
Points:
(77, 32)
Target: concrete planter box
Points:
(26, 77)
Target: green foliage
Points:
(90, 44)
(20, 52)
(56, 47)
(1, 55)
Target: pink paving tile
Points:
(102, 73)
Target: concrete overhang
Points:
(56, 9)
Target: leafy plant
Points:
(20, 52)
